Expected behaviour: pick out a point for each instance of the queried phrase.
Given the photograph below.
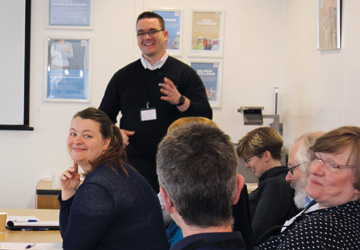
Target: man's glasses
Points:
(331, 166)
(291, 169)
(151, 33)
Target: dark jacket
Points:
(271, 204)
(113, 211)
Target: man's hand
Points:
(171, 93)
(125, 134)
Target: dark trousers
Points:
(147, 168)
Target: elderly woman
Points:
(271, 204)
(115, 207)
(334, 183)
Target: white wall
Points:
(253, 54)
(320, 87)
(253, 63)
(268, 43)
(27, 156)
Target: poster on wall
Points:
(68, 70)
(210, 73)
(329, 24)
(69, 14)
(172, 19)
(207, 33)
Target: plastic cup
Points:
(55, 180)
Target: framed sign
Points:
(67, 69)
(210, 73)
(173, 24)
(70, 14)
(15, 16)
(329, 24)
(207, 36)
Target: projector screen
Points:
(14, 64)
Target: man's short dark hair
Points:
(196, 165)
(150, 14)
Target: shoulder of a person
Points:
(172, 61)
(275, 176)
(106, 174)
(348, 209)
(181, 71)
(278, 173)
(315, 221)
(280, 183)
(275, 184)
(327, 214)
(128, 68)
(105, 178)
(103, 174)
(124, 76)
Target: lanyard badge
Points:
(148, 114)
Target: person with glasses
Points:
(151, 93)
(334, 183)
(299, 162)
(271, 204)
(300, 158)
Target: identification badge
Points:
(148, 114)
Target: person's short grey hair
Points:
(196, 165)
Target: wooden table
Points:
(32, 236)
(47, 196)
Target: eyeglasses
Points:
(248, 158)
(151, 33)
(331, 166)
(291, 169)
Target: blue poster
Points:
(68, 69)
(209, 74)
(67, 84)
(172, 25)
(69, 12)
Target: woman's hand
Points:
(70, 180)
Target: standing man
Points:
(151, 93)
(197, 166)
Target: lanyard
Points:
(150, 86)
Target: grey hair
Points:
(303, 155)
(196, 165)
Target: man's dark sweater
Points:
(133, 87)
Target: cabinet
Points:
(46, 195)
